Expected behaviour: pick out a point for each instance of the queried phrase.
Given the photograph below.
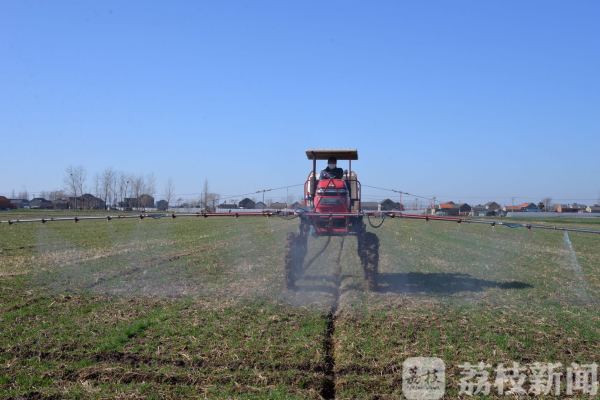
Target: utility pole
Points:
(75, 189)
(127, 203)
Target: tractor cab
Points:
(330, 198)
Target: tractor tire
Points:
(294, 258)
(368, 252)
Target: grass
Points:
(196, 308)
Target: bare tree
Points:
(122, 186)
(211, 199)
(75, 180)
(56, 195)
(149, 186)
(24, 194)
(82, 175)
(107, 185)
(169, 190)
(204, 199)
(97, 190)
(113, 188)
(137, 187)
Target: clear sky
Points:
(466, 100)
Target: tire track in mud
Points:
(328, 387)
(582, 290)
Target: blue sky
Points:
(466, 100)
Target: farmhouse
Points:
(20, 203)
(464, 209)
(531, 207)
(486, 210)
(480, 211)
(5, 204)
(60, 204)
(593, 209)
(162, 205)
(278, 206)
(447, 208)
(493, 208)
(260, 205)
(91, 202)
(226, 206)
(146, 201)
(86, 201)
(450, 208)
(388, 205)
(523, 207)
(296, 205)
(143, 201)
(40, 202)
(570, 208)
(247, 203)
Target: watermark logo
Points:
(533, 379)
(423, 378)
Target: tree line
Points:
(110, 185)
(114, 186)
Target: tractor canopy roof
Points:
(324, 154)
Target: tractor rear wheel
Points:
(294, 257)
(368, 252)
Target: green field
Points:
(197, 307)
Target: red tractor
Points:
(332, 208)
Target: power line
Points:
(263, 191)
(399, 192)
